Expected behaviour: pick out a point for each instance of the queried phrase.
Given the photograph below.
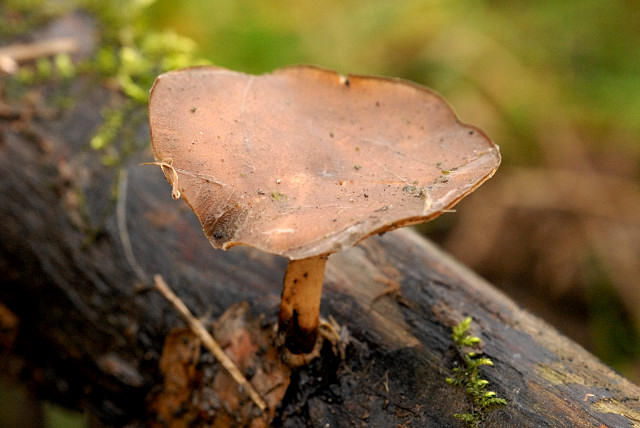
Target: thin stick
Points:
(209, 342)
(11, 55)
(121, 212)
(23, 52)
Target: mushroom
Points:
(304, 162)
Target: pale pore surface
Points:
(303, 161)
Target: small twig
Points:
(209, 342)
(12, 54)
(122, 225)
(23, 52)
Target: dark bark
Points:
(91, 330)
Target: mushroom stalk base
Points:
(300, 304)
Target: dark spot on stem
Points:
(298, 340)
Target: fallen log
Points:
(80, 242)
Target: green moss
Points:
(128, 57)
(469, 377)
(113, 119)
(63, 66)
(277, 196)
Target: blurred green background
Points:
(555, 83)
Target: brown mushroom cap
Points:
(303, 161)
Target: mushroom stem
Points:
(300, 304)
